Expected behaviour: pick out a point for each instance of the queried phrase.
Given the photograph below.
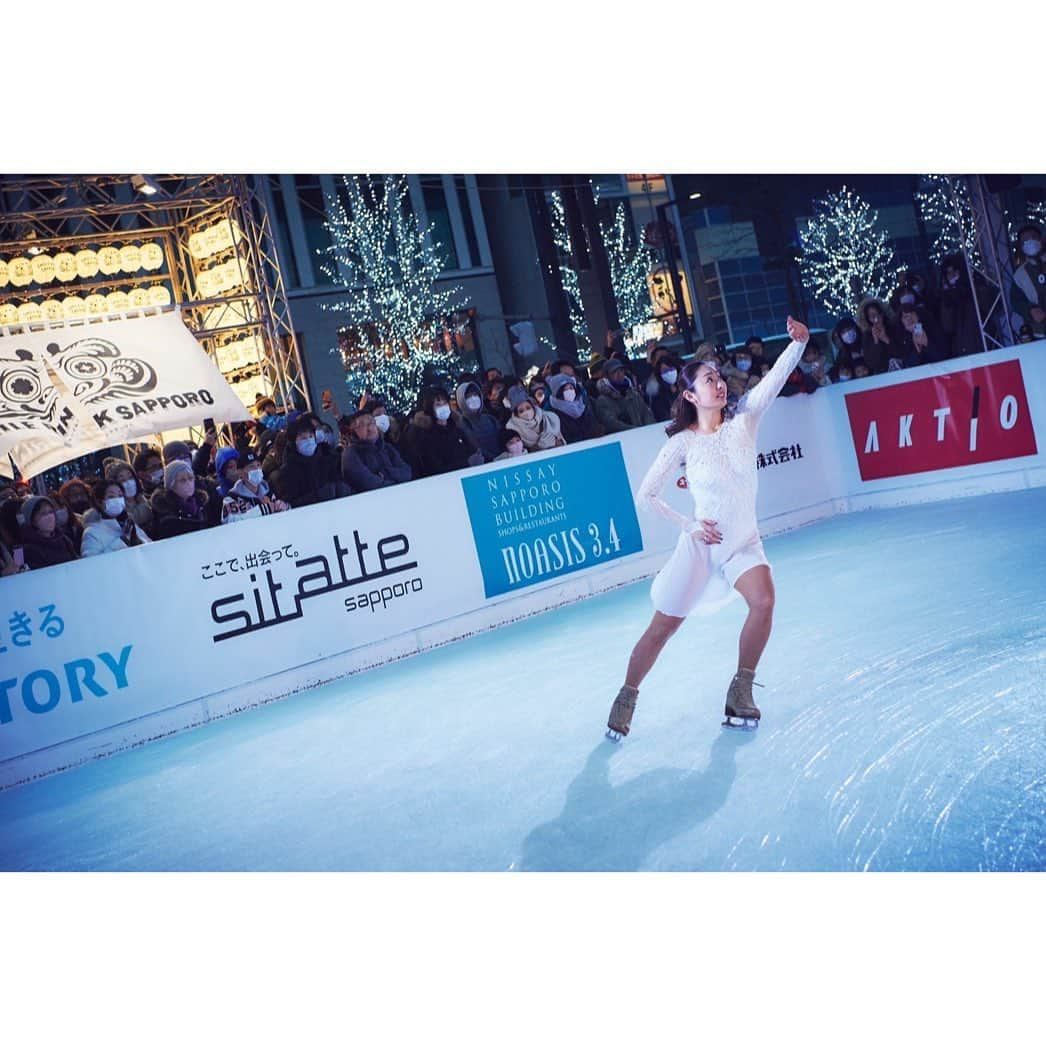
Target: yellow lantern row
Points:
(84, 265)
(243, 352)
(212, 282)
(54, 310)
(218, 237)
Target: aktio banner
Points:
(551, 515)
(69, 390)
(965, 418)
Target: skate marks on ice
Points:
(608, 827)
(933, 759)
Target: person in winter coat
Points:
(577, 419)
(881, 340)
(109, 526)
(618, 405)
(368, 462)
(663, 379)
(148, 467)
(846, 340)
(249, 497)
(494, 399)
(305, 476)
(43, 544)
(118, 471)
(176, 450)
(921, 338)
(813, 367)
(957, 310)
(181, 506)
(538, 429)
(912, 289)
(227, 471)
(69, 523)
(434, 443)
(1028, 294)
(77, 495)
(480, 424)
(512, 445)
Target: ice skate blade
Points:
(736, 722)
(613, 735)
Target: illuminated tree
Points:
(844, 255)
(953, 228)
(397, 306)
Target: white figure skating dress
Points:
(722, 478)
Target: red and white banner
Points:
(968, 417)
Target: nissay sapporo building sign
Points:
(551, 515)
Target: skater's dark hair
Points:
(684, 413)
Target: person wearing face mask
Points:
(880, 339)
(177, 450)
(249, 497)
(538, 429)
(226, 467)
(921, 339)
(109, 526)
(148, 467)
(69, 523)
(846, 341)
(618, 406)
(305, 476)
(181, 505)
(493, 400)
(812, 367)
(480, 424)
(538, 391)
(1028, 293)
(117, 470)
(664, 377)
(577, 420)
(368, 462)
(434, 443)
(511, 444)
(912, 289)
(43, 544)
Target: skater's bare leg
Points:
(757, 588)
(651, 643)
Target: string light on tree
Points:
(953, 227)
(630, 263)
(845, 256)
(396, 309)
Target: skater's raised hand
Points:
(798, 331)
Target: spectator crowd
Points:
(284, 461)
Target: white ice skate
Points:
(620, 721)
(741, 711)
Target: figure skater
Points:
(719, 549)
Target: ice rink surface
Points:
(904, 728)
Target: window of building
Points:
(439, 218)
(314, 218)
(466, 218)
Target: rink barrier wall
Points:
(105, 654)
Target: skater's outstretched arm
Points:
(756, 401)
(672, 456)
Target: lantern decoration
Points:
(8, 315)
(65, 266)
(30, 312)
(151, 257)
(73, 307)
(130, 258)
(43, 268)
(53, 311)
(117, 301)
(95, 305)
(20, 272)
(86, 264)
(3, 273)
(139, 298)
(108, 261)
(159, 295)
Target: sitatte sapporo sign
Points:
(551, 515)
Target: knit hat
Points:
(517, 396)
(175, 449)
(29, 506)
(222, 458)
(173, 471)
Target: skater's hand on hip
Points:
(706, 531)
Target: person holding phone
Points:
(109, 526)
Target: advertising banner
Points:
(551, 515)
(967, 417)
(69, 390)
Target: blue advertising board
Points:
(544, 517)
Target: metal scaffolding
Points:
(219, 264)
(991, 261)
